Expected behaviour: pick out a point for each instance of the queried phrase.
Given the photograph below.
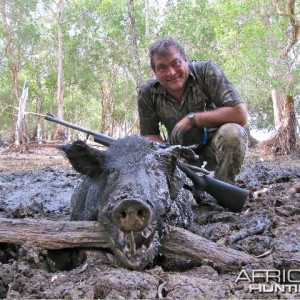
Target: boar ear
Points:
(169, 161)
(84, 159)
(186, 152)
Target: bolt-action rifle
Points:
(227, 195)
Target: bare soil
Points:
(39, 185)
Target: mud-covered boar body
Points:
(135, 190)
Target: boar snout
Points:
(132, 215)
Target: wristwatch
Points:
(191, 117)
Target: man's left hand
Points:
(179, 130)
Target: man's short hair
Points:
(161, 47)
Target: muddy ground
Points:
(39, 185)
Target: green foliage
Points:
(251, 36)
(190, 23)
(244, 37)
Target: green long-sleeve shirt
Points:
(207, 88)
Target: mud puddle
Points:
(268, 228)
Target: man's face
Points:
(172, 71)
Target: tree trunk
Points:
(90, 234)
(135, 44)
(277, 99)
(291, 13)
(252, 142)
(20, 125)
(104, 108)
(289, 124)
(285, 140)
(113, 121)
(60, 130)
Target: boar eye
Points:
(113, 173)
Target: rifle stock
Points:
(228, 195)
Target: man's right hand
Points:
(179, 130)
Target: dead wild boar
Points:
(135, 190)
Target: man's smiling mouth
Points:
(173, 79)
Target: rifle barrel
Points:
(98, 137)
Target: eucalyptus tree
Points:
(190, 21)
(105, 63)
(53, 13)
(19, 46)
(58, 15)
(260, 41)
(95, 47)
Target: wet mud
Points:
(40, 184)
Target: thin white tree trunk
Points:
(277, 107)
(20, 125)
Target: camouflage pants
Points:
(225, 152)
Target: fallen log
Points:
(183, 243)
(52, 235)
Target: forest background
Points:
(84, 60)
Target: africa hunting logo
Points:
(271, 281)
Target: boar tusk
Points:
(146, 233)
(121, 236)
(132, 244)
(125, 261)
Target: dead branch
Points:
(25, 112)
(5, 108)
